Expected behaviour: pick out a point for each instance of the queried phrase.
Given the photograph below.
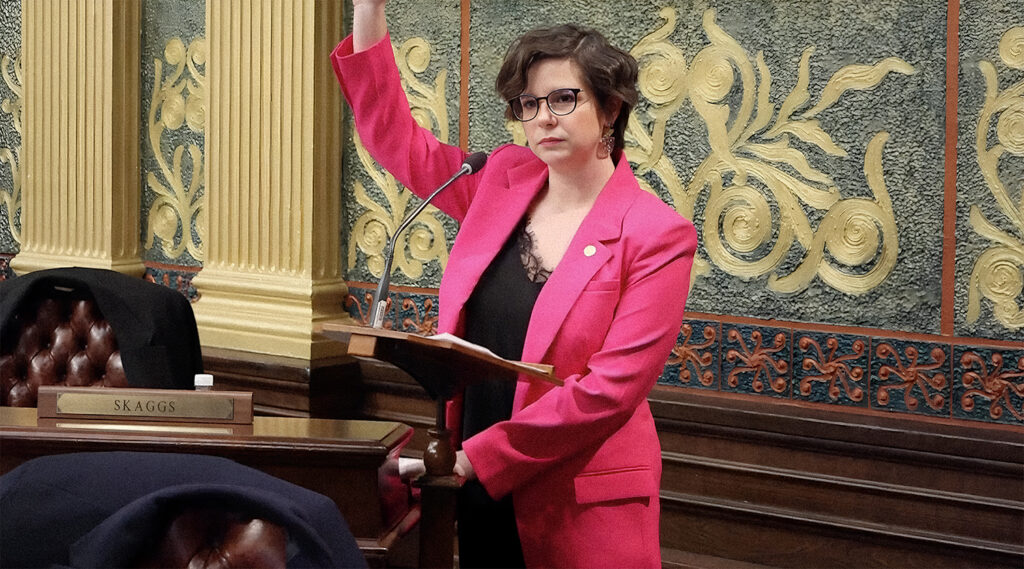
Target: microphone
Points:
(470, 165)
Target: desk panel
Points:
(355, 463)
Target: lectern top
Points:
(441, 364)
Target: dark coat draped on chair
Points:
(114, 509)
(154, 326)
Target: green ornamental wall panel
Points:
(10, 129)
(990, 171)
(819, 197)
(426, 37)
(172, 90)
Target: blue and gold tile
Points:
(425, 37)
(756, 360)
(694, 361)
(831, 368)
(910, 377)
(412, 312)
(990, 167)
(988, 384)
(177, 277)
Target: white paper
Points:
(480, 349)
(465, 343)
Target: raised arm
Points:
(369, 24)
(364, 64)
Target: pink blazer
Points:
(582, 461)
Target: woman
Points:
(561, 258)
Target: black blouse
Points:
(497, 317)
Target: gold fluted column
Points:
(80, 194)
(272, 267)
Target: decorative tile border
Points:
(694, 362)
(988, 384)
(895, 375)
(910, 377)
(938, 379)
(173, 276)
(831, 368)
(756, 360)
(405, 312)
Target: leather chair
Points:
(93, 327)
(99, 328)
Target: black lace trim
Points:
(533, 264)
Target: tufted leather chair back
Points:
(212, 538)
(81, 326)
(62, 339)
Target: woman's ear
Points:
(611, 112)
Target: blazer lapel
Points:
(587, 253)
(482, 235)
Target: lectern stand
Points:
(443, 366)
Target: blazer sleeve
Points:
(590, 407)
(371, 84)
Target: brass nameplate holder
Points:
(66, 406)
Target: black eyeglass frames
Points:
(560, 102)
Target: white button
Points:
(589, 250)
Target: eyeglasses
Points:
(560, 102)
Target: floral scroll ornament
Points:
(373, 229)
(755, 168)
(833, 369)
(695, 355)
(998, 273)
(996, 384)
(926, 376)
(423, 323)
(417, 321)
(12, 197)
(178, 100)
(759, 359)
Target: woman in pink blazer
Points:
(561, 258)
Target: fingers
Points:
(463, 467)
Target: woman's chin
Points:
(553, 155)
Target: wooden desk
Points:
(355, 463)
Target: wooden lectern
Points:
(443, 366)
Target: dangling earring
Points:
(604, 150)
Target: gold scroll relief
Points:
(178, 100)
(998, 274)
(11, 197)
(754, 164)
(372, 230)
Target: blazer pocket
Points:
(600, 286)
(617, 484)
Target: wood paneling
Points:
(354, 463)
(803, 486)
(286, 386)
(776, 484)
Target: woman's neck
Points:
(578, 186)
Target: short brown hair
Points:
(611, 73)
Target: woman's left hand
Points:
(463, 467)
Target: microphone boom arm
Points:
(380, 301)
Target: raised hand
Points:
(369, 24)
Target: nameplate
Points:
(131, 404)
(112, 426)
